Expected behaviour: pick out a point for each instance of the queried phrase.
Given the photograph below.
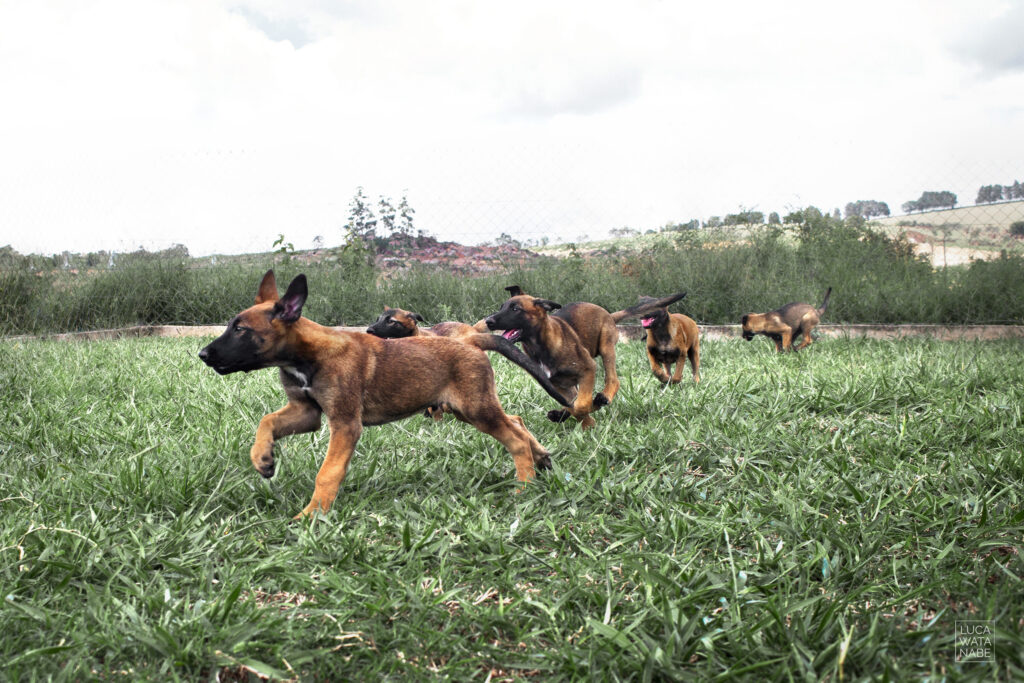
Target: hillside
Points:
(948, 237)
(954, 236)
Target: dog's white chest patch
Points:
(299, 376)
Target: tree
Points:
(506, 240)
(866, 208)
(405, 212)
(362, 224)
(773, 218)
(744, 217)
(989, 193)
(931, 200)
(387, 215)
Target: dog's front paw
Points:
(662, 377)
(263, 461)
(600, 400)
(267, 468)
(559, 415)
(542, 463)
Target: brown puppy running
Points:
(357, 379)
(784, 324)
(671, 338)
(553, 342)
(395, 323)
(597, 331)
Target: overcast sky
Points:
(221, 124)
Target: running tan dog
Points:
(357, 379)
(565, 342)
(784, 324)
(671, 339)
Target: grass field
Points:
(827, 514)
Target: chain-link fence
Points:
(450, 256)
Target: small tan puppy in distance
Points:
(359, 380)
(671, 339)
(785, 324)
(395, 323)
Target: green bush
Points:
(875, 278)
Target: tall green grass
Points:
(875, 279)
(827, 514)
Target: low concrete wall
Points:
(939, 332)
(626, 332)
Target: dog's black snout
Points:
(204, 354)
(489, 320)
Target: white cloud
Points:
(221, 125)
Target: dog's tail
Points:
(824, 303)
(494, 342)
(646, 305)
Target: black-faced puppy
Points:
(785, 324)
(671, 339)
(597, 332)
(553, 344)
(395, 323)
(358, 380)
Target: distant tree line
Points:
(866, 208)
(996, 193)
(931, 200)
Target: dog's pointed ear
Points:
(289, 307)
(546, 304)
(268, 288)
(514, 290)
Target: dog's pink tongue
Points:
(509, 334)
(646, 322)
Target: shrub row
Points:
(876, 279)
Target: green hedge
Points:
(875, 279)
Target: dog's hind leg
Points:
(611, 376)
(585, 402)
(296, 417)
(805, 330)
(541, 455)
(491, 419)
(694, 356)
(344, 435)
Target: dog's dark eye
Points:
(514, 307)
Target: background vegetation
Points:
(875, 276)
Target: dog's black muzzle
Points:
(223, 365)
(748, 335)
